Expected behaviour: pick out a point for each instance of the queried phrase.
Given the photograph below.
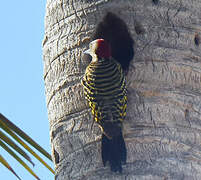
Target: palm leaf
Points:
(12, 153)
(15, 132)
(5, 163)
(23, 135)
(7, 129)
(11, 143)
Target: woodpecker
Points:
(105, 89)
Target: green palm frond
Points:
(5, 163)
(16, 133)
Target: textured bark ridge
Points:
(163, 126)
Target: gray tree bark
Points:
(163, 125)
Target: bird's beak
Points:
(87, 51)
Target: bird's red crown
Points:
(103, 49)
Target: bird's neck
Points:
(94, 58)
(97, 59)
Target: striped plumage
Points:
(105, 90)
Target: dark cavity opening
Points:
(115, 31)
(155, 1)
(56, 156)
(197, 40)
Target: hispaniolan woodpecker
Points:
(105, 89)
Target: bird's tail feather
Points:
(114, 151)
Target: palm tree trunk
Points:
(163, 126)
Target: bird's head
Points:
(99, 49)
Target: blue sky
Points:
(22, 94)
